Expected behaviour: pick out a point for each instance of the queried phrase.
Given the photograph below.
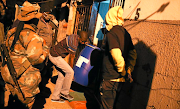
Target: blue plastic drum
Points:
(84, 65)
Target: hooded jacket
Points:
(120, 54)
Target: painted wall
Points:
(157, 72)
(103, 9)
(156, 36)
(152, 9)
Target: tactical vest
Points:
(28, 76)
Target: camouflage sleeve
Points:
(37, 50)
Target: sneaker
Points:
(69, 97)
(58, 100)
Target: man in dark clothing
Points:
(119, 57)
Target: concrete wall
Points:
(152, 9)
(157, 72)
(156, 36)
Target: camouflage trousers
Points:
(28, 83)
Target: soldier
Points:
(47, 29)
(27, 51)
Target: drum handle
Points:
(92, 46)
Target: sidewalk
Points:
(43, 100)
(54, 105)
(79, 100)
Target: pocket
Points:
(106, 85)
(109, 85)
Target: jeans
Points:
(65, 76)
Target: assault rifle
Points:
(7, 60)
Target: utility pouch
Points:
(26, 64)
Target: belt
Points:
(122, 79)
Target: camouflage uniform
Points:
(45, 31)
(2, 14)
(29, 48)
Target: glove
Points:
(125, 76)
